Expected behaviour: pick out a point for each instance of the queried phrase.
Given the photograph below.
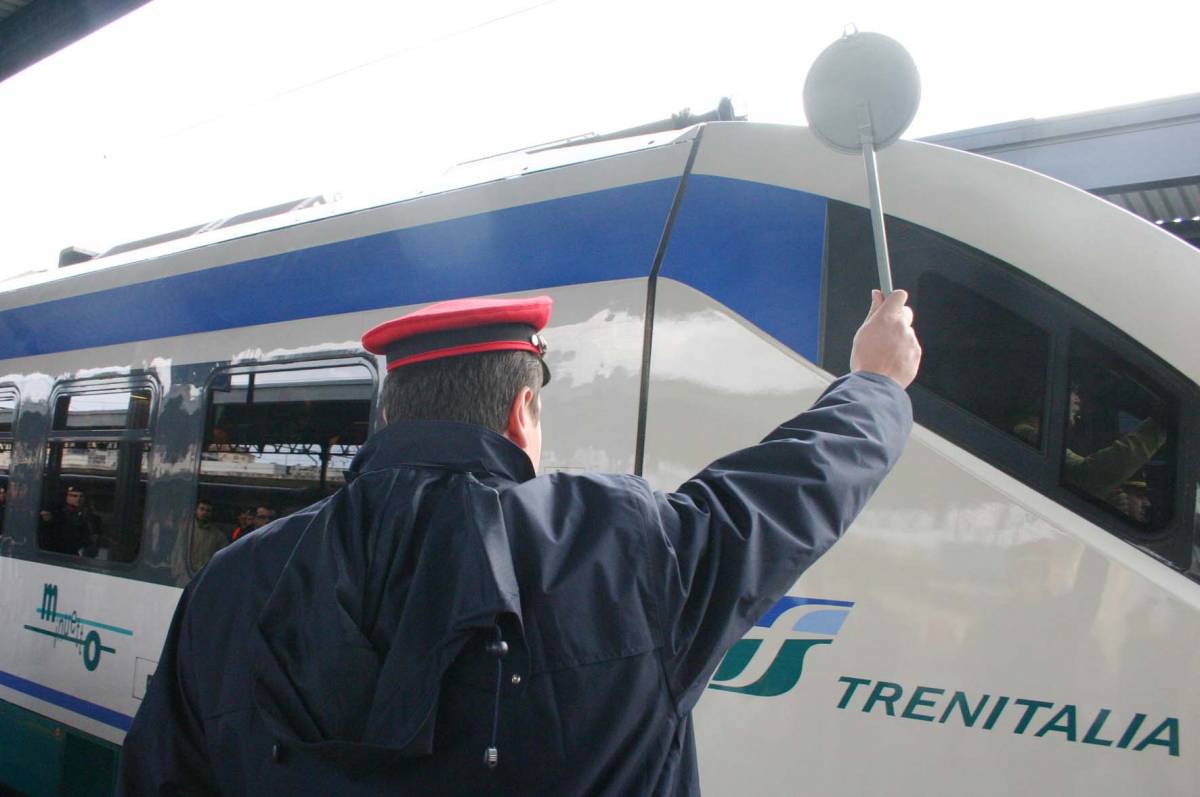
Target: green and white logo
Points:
(70, 627)
(770, 659)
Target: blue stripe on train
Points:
(63, 700)
(753, 247)
(757, 249)
(602, 235)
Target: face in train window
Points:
(982, 357)
(276, 440)
(94, 480)
(1118, 450)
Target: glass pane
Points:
(139, 409)
(1118, 449)
(93, 499)
(304, 384)
(103, 411)
(279, 440)
(8, 411)
(982, 357)
(1193, 572)
(6, 448)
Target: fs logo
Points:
(768, 661)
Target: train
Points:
(1017, 610)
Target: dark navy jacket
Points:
(350, 648)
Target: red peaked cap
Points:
(463, 326)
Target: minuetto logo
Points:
(63, 627)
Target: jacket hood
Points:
(388, 582)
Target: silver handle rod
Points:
(868, 150)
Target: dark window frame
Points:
(98, 386)
(1086, 345)
(8, 388)
(291, 363)
(1008, 451)
(852, 276)
(1174, 541)
(1023, 297)
(9, 437)
(11, 388)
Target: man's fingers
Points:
(895, 305)
(895, 300)
(886, 343)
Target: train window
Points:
(94, 481)
(1118, 448)
(1193, 572)
(6, 447)
(100, 411)
(1026, 379)
(276, 440)
(8, 414)
(982, 357)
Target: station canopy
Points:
(31, 30)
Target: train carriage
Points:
(1016, 611)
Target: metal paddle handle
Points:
(867, 137)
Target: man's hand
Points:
(885, 343)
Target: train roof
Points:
(504, 166)
(1119, 266)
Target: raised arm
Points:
(734, 538)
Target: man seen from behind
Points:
(450, 623)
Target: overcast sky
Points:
(185, 111)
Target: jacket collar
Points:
(443, 444)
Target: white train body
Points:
(984, 628)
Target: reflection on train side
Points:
(276, 439)
(94, 479)
(8, 414)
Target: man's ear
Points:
(521, 418)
